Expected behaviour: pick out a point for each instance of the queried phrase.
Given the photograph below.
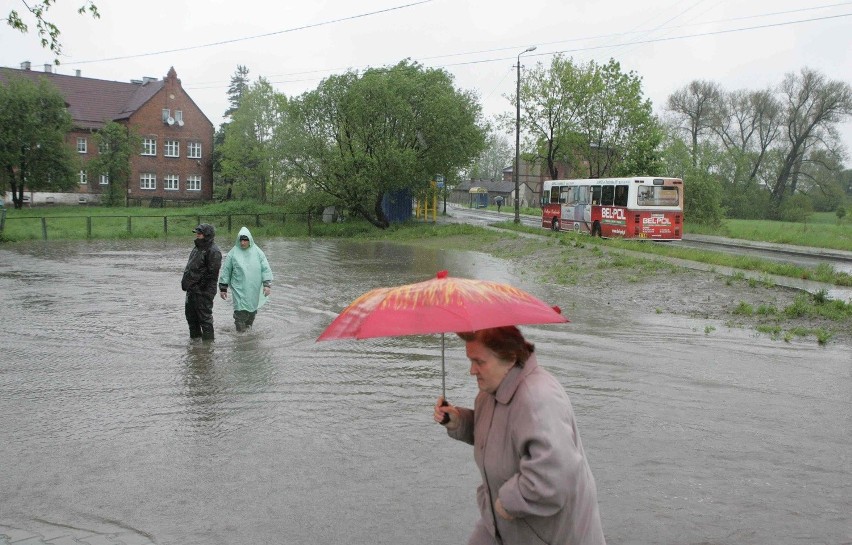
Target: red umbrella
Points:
(440, 305)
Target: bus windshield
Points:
(658, 196)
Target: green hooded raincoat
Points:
(244, 272)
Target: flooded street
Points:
(115, 428)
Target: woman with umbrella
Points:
(537, 486)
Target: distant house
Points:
(175, 163)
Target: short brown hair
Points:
(507, 342)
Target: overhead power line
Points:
(243, 39)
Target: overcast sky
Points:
(741, 44)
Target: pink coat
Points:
(529, 453)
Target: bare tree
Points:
(696, 108)
(813, 106)
(748, 125)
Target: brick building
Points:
(177, 138)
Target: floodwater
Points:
(115, 428)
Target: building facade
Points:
(175, 163)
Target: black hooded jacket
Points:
(202, 269)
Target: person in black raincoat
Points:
(200, 282)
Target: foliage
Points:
(117, 144)
(588, 120)
(248, 158)
(768, 145)
(797, 208)
(358, 136)
(33, 152)
(702, 199)
(48, 32)
(840, 212)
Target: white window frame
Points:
(179, 115)
(166, 114)
(171, 148)
(193, 150)
(171, 182)
(82, 145)
(84, 177)
(148, 181)
(104, 178)
(149, 146)
(193, 183)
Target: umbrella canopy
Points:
(439, 305)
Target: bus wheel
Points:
(554, 225)
(596, 229)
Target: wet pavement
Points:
(117, 429)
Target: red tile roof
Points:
(93, 102)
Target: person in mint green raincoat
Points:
(246, 272)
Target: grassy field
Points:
(822, 230)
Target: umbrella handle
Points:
(446, 418)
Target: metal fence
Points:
(174, 222)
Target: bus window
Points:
(583, 194)
(607, 195)
(658, 196)
(564, 194)
(570, 195)
(620, 195)
(554, 194)
(596, 195)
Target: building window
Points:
(148, 181)
(149, 146)
(193, 183)
(172, 148)
(193, 150)
(103, 147)
(166, 114)
(104, 179)
(171, 182)
(82, 145)
(179, 116)
(84, 178)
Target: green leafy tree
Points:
(702, 198)
(358, 136)
(116, 145)
(552, 102)
(236, 90)
(247, 153)
(33, 125)
(48, 32)
(588, 118)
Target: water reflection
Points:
(112, 418)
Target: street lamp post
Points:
(518, 138)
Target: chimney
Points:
(147, 79)
(25, 65)
(77, 72)
(48, 68)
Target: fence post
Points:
(129, 227)
(229, 223)
(88, 226)
(165, 225)
(257, 220)
(309, 224)
(43, 228)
